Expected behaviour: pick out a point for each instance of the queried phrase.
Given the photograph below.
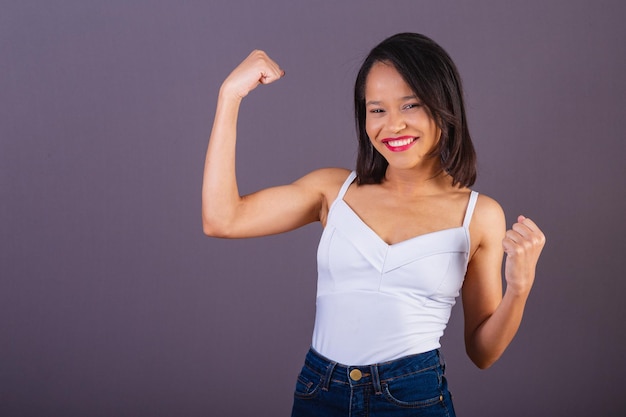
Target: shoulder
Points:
(487, 210)
(325, 180)
(488, 224)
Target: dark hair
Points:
(433, 77)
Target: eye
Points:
(412, 106)
(377, 111)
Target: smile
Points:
(399, 144)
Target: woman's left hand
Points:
(522, 244)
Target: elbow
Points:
(219, 220)
(483, 364)
(482, 361)
(209, 230)
(212, 231)
(215, 228)
(215, 221)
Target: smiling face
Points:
(397, 123)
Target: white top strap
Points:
(470, 209)
(346, 184)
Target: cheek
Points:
(372, 128)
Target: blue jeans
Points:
(411, 386)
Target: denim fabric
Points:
(411, 386)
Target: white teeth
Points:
(401, 142)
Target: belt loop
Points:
(442, 361)
(376, 379)
(329, 372)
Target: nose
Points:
(396, 122)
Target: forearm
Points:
(489, 341)
(220, 194)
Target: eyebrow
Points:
(377, 103)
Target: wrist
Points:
(228, 94)
(515, 293)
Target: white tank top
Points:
(378, 302)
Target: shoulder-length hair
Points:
(430, 73)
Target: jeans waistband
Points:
(371, 374)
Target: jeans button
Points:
(355, 375)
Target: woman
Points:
(403, 236)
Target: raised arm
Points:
(274, 210)
(491, 319)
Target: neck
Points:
(413, 182)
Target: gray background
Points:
(113, 303)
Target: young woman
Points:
(403, 236)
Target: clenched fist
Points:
(522, 244)
(257, 68)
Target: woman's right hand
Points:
(257, 68)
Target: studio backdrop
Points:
(114, 303)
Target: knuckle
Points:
(539, 239)
(259, 55)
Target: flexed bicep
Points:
(276, 209)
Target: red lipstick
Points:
(399, 144)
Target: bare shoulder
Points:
(488, 221)
(325, 180)
(487, 210)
